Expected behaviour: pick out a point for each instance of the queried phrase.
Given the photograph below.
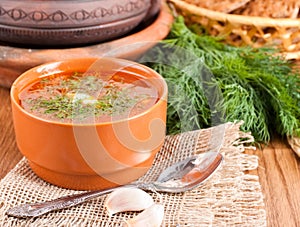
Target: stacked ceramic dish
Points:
(69, 22)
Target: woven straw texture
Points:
(254, 29)
(228, 198)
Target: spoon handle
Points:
(37, 209)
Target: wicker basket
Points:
(241, 30)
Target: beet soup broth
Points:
(88, 97)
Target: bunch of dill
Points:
(211, 82)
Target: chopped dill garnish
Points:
(82, 97)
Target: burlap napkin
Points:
(228, 198)
(295, 144)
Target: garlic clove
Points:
(127, 199)
(150, 217)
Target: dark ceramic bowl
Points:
(15, 60)
(68, 22)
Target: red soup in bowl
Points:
(89, 123)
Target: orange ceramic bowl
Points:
(92, 155)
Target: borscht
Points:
(88, 97)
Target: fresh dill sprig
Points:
(249, 84)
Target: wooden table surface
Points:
(279, 170)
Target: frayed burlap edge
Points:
(294, 142)
(229, 198)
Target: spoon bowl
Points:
(182, 176)
(189, 173)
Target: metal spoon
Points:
(179, 177)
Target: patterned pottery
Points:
(68, 22)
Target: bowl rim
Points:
(129, 63)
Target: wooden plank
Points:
(9, 153)
(279, 176)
